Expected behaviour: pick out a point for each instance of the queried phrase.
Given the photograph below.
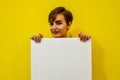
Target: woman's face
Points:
(59, 27)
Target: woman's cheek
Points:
(61, 27)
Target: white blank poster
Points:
(61, 59)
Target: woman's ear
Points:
(70, 23)
(68, 26)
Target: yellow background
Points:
(21, 19)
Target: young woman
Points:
(60, 21)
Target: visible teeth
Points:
(57, 30)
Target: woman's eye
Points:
(51, 24)
(58, 23)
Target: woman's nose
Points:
(54, 26)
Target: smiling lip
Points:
(55, 32)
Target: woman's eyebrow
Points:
(58, 21)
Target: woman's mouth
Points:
(55, 31)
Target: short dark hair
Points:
(67, 14)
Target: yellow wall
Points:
(20, 19)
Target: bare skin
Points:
(59, 29)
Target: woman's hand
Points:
(37, 38)
(84, 37)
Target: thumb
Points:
(33, 37)
(79, 34)
(41, 35)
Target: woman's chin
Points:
(58, 36)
